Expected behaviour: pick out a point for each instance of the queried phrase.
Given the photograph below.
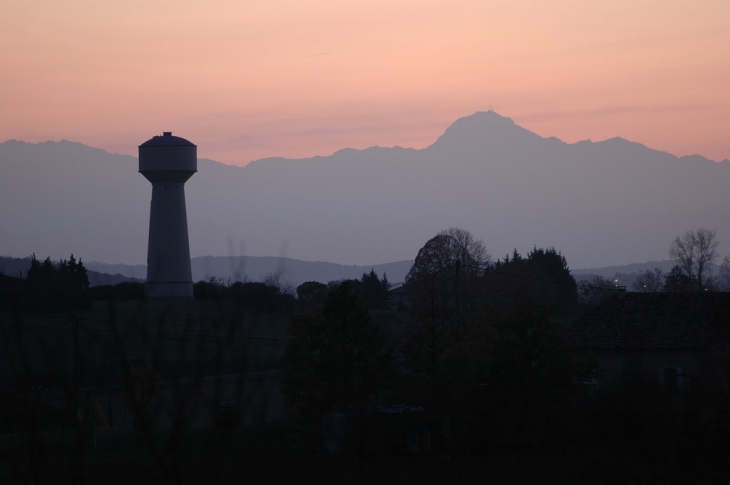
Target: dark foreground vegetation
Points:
(465, 374)
(257, 456)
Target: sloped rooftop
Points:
(653, 321)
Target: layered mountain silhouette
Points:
(604, 203)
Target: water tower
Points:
(168, 162)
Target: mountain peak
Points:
(483, 119)
(484, 128)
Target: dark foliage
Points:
(253, 296)
(126, 291)
(678, 281)
(57, 288)
(312, 291)
(210, 290)
(595, 290)
(524, 374)
(374, 290)
(371, 290)
(261, 297)
(649, 281)
(555, 267)
(695, 252)
(433, 362)
(543, 275)
(336, 358)
(449, 268)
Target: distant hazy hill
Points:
(665, 265)
(600, 204)
(626, 274)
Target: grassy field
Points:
(202, 356)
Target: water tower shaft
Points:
(168, 162)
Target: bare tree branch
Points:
(694, 252)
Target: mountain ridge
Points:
(600, 203)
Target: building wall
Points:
(694, 366)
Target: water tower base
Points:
(170, 290)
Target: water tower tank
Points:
(168, 162)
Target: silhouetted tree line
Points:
(57, 287)
(257, 296)
(485, 349)
(312, 291)
(543, 276)
(484, 365)
(371, 290)
(268, 295)
(453, 271)
(694, 253)
(337, 359)
(507, 377)
(125, 291)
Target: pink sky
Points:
(245, 80)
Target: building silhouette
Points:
(168, 162)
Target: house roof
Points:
(398, 291)
(10, 284)
(652, 321)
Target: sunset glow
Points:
(246, 80)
